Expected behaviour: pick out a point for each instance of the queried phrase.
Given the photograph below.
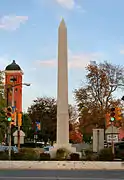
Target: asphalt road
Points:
(60, 175)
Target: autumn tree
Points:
(44, 110)
(96, 98)
(75, 136)
(3, 121)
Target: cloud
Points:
(69, 4)
(75, 61)
(12, 22)
(121, 51)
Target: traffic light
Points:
(13, 122)
(112, 115)
(13, 116)
(118, 114)
(9, 113)
(19, 119)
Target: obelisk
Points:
(62, 93)
(62, 89)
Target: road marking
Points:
(59, 178)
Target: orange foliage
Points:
(74, 135)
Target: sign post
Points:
(112, 135)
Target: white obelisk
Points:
(62, 94)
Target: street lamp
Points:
(26, 84)
(13, 80)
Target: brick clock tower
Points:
(13, 71)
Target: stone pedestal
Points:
(65, 146)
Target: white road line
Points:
(58, 178)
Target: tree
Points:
(26, 125)
(1, 84)
(75, 136)
(73, 115)
(95, 99)
(3, 121)
(44, 110)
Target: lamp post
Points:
(13, 80)
(26, 84)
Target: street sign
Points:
(114, 137)
(37, 126)
(13, 108)
(111, 130)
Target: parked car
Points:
(47, 149)
(6, 148)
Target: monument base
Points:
(65, 146)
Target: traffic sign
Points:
(13, 108)
(113, 137)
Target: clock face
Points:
(12, 79)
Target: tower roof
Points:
(13, 67)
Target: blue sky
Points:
(28, 34)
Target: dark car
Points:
(119, 150)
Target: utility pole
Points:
(10, 124)
(19, 120)
(13, 79)
(112, 140)
(112, 119)
(7, 131)
(10, 140)
(18, 138)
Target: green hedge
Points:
(74, 157)
(32, 154)
(44, 157)
(106, 155)
(4, 155)
(62, 154)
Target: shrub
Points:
(44, 156)
(74, 157)
(92, 157)
(17, 156)
(28, 154)
(62, 154)
(88, 152)
(106, 155)
(4, 155)
(89, 155)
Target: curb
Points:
(61, 165)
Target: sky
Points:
(29, 35)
